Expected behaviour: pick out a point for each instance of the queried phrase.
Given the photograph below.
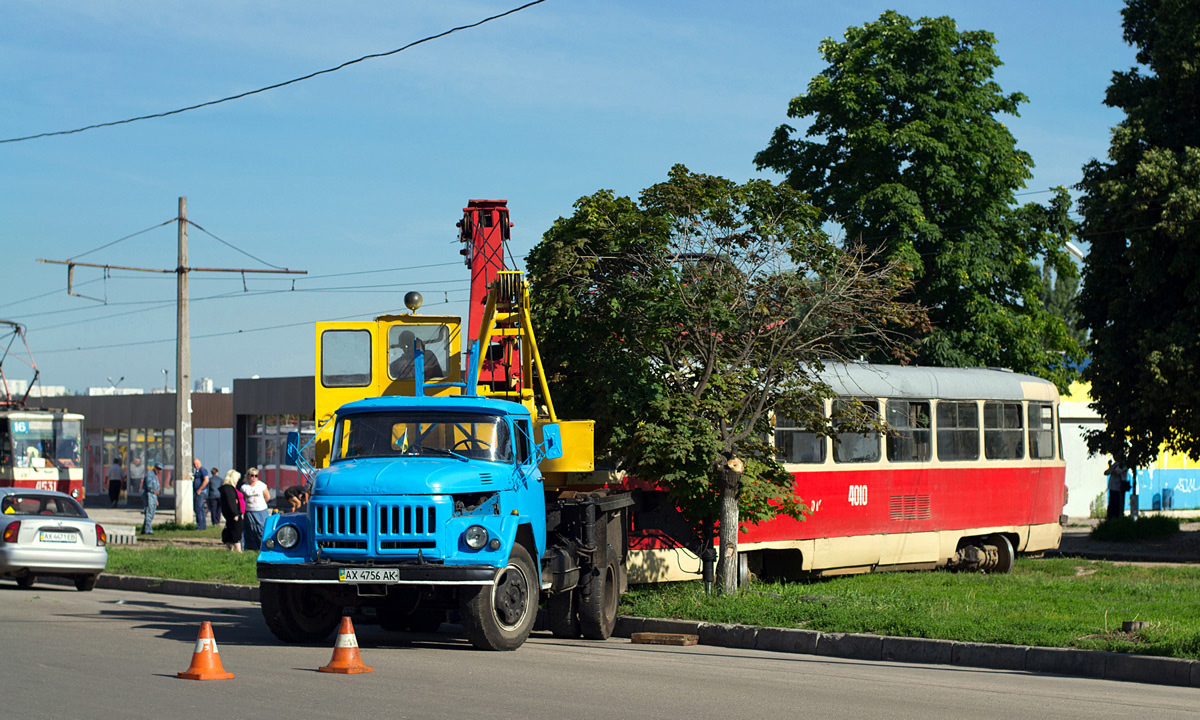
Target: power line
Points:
(276, 85)
(131, 235)
(234, 247)
(229, 332)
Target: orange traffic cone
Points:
(346, 658)
(206, 660)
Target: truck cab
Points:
(427, 504)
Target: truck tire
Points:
(561, 615)
(501, 616)
(298, 614)
(598, 606)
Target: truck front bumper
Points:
(409, 573)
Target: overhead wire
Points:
(234, 247)
(228, 332)
(278, 85)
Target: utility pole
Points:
(184, 511)
(184, 496)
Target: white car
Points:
(44, 532)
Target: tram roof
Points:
(870, 380)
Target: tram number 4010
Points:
(858, 495)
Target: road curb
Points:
(1053, 661)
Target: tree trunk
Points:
(727, 559)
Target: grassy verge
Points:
(1058, 602)
(1053, 603)
(168, 561)
(172, 530)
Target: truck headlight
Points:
(476, 537)
(287, 536)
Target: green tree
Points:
(679, 322)
(907, 153)
(1141, 209)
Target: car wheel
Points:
(501, 616)
(26, 581)
(84, 583)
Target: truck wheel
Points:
(298, 614)
(501, 616)
(84, 583)
(598, 607)
(561, 615)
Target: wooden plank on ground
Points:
(653, 638)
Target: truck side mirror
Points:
(293, 448)
(551, 442)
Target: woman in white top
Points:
(257, 496)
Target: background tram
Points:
(971, 474)
(40, 449)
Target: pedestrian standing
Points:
(214, 496)
(150, 489)
(116, 478)
(257, 497)
(137, 474)
(233, 507)
(1117, 487)
(200, 481)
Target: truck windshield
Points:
(395, 434)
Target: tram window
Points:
(345, 358)
(958, 431)
(910, 421)
(435, 340)
(1041, 431)
(1003, 433)
(856, 447)
(794, 444)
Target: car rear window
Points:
(41, 505)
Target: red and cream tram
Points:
(39, 449)
(971, 474)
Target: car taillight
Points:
(101, 536)
(10, 532)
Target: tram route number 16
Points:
(858, 495)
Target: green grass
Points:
(1146, 527)
(1053, 603)
(169, 530)
(167, 561)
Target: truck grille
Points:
(397, 528)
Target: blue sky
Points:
(368, 169)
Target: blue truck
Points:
(428, 504)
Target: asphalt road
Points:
(109, 653)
